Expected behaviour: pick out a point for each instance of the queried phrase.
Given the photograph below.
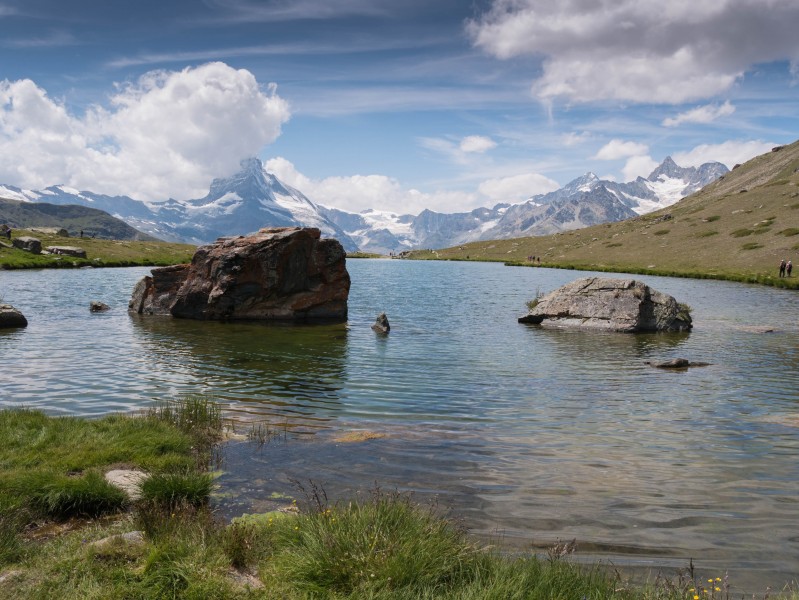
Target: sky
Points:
(397, 106)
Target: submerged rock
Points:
(10, 317)
(675, 363)
(97, 306)
(623, 305)
(282, 273)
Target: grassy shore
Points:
(66, 533)
(737, 228)
(99, 253)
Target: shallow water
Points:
(529, 434)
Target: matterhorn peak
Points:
(251, 165)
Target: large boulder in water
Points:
(284, 273)
(622, 305)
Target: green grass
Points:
(99, 253)
(377, 546)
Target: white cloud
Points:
(361, 192)
(167, 134)
(701, 114)
(616, 149)
(459, 151)
(477, 143)
(730, 153)
(517, 188)
(638, 166)
(638, 50)
(574, 139)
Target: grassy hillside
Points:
(737, 228)
(73, 218)
(99, 252)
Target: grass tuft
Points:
(172, 490)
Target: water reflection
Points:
(291, 374)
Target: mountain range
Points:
(254, 198)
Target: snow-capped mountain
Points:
(247, 201)
(252, 199)
(584, 201)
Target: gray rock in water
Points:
(381, 324)
(10, 317)
(96, 306)
(623, 305)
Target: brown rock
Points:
(285, 273)
(154, 295)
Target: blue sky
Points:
(392, 105)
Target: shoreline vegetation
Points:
(737, 228)
(99, 253)
(66, 532)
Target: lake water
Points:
(530, 435)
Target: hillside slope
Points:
(738, 227)
(73, 218)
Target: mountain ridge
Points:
(253, 198)
(738, 227)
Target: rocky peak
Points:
(670, 170)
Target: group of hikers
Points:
(785, 268)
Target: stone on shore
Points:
(623, 305)
(29, 244)
(10, 317)
(67, 250)
(280, 274)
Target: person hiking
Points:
(789, 268)
(783, 265)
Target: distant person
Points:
(783, 266)
(81, 233)
(8, 233)
(789, 268)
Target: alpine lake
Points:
(529, 435)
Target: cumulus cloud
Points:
(700, 114)
(616, 149)
(360, 192)
(517, 188)
(638, 50)
(477, 143)
(166, 135)
(730, 153)
(638, 166)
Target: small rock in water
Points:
(381, 324)
(96, 306)
(10, 317)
